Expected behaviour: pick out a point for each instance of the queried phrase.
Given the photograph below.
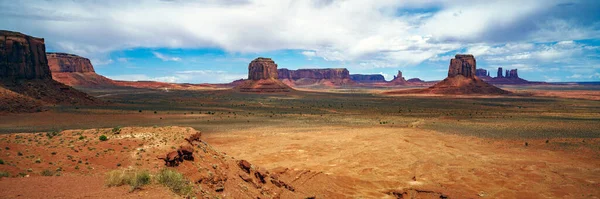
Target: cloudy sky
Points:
(214, 40)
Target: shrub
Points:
(133, 178)
(116, 130)
(47, 173)
(174, 181)
(1, 161)
(103, 138)
(4, 174)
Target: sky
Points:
(212, 41)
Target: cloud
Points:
(190, 76)
(378, 34)
(165, 57)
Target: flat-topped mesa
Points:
(480, 72)
(262, 68)
(318, 74)
(23, 56)
(69, 63)
(462, 64)
(367, 78)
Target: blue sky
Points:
(212, 41)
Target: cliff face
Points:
(23, 56)
(63, 62)
(512, 73)
(262, 77)
(262, 68)
(462, 65)
(327, 73)
(480, 72)
(24, 70)
(367, 78)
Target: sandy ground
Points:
(387, 159)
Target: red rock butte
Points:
(23, 56)
(461, 79)
(262, 77)
(74, 70)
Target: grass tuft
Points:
(175, 181)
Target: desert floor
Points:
(542, 142)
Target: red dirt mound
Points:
(17, 103)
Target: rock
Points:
(261, 174)
(245, 165)
(512, 73)
(194, 138)
(77, 71)
(186, 152)
(511, 77)
(415, 80)
(398, 79)
(461, 80)
(327, 73)
(480, 72)
(499, 74)
(172, 159)
(63, 62)
(262, 68)
(367, 78)
(22, 56)
(24, 69)
(262, 77)
(462, 64)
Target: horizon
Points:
(210, 41)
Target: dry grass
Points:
(134, 178)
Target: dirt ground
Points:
(342, 144)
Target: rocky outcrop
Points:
(415, 80)
(512, 73)
(499, 73)
(480, 72)
(68, 63)
(326, 73)
(77, 71)
(24, 70)
(262, 77)
(399, 79)
(23, 56)
(461, 80)
(262, 68)
(462, 65)
(367, 78)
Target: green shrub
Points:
(116, 130)
(103, 138)
(1, 161)
(4, 174)
(174, 181)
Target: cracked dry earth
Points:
(384, 162)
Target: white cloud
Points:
(194, 76)
(355, 31)
(165, 57)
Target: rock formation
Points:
(462, 65)
(480, 72)
(68, 63)
(76, 71)
(316, 77)
(262, 77)
(262, 68)
(24, 69)
(461, 79)
(23, 56)
(499, 74)
(512, 73)
(367, 78)
(511, 77)
(415, 80)
(399, 79)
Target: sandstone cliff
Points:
(76, 71)
(328, 77)
(399, 79)
(68, 63)
(367, 78)
(24, 70)
(461, 79)
(23, 56)
(262, 77)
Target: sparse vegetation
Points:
(103, 138)
(4, 174)
(116, 130)
(47, 173)
(134, 178)
(1, 161)
(175, 181)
